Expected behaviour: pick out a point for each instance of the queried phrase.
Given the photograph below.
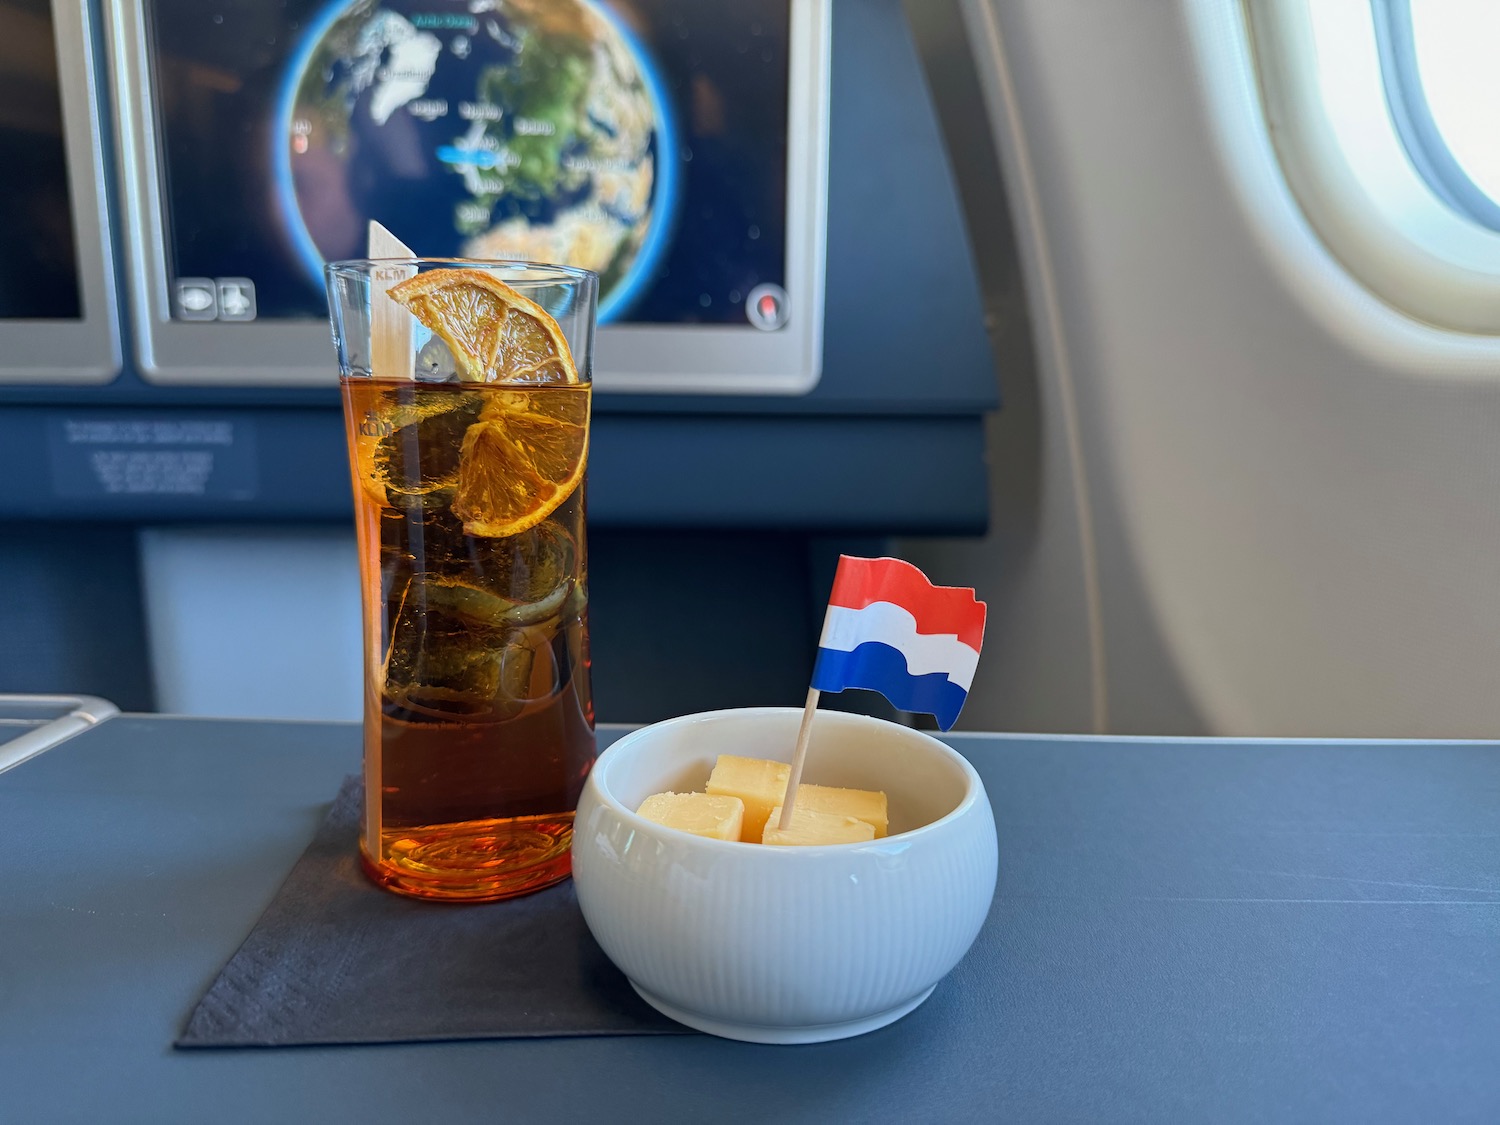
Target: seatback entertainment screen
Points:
(642, 139)
(38, 250)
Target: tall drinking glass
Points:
(466, 389)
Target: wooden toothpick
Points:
(794, 775)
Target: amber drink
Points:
(468, 478)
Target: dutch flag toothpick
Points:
(890, 630)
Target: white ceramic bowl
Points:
(785, 945)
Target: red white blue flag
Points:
(890, 630)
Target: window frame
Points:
(1415, 123)
(1337, 145)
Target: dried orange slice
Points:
(526, 453)
(495, 334)
(523, 458)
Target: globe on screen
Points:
(527, 129)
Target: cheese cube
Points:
(718, 818)
(761, 784)
(868, 805)
(812, 827)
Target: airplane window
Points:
(1443, 88)
(1381, 116)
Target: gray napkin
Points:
(334, 959)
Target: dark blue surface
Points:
(651, 595)
(874, 474)
(71, 618)
(1184, 931)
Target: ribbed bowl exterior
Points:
(784, 937)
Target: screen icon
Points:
(766, 307)
(236, 298)
(196, 298)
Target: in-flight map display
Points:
(642, 139)
(38, 254)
